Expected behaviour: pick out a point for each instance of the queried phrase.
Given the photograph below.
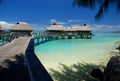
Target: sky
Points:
(41, 13)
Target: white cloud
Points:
(97, 26)
(61, 23)
(6, 25)
(113, 27)
(56, 21)
(75, 20)
(53, 20)
(103, 27)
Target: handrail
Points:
(8, 37)
(35, 67)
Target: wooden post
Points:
(69, 36)
(63, 37)
(35, 35)
(6, 37)
(2, 38)
(46, 39)
(56, 37)
(76, 36)
(39, 35)
(42, 39)
(37, 40)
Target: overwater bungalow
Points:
(76, 31)
(22, 28)
(55, 29)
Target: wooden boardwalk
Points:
(12, 65)
(17, 46)
(45, 37)
(18, 62)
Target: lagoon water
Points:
(69, 51)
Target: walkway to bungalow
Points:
(18, 62)
(12, 66)
(16, 47)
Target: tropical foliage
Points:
(104, 5)
(118, 45)
(75, 72)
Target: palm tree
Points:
(104, 5)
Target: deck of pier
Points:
(12, 66)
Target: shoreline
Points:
(56, 65)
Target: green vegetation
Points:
(75, 72)
(118, 45)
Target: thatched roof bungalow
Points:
(82, 31)
(22, 27)
(55, 28)
(75, 28)
(81, 28)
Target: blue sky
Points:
(40, 13)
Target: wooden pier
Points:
(12, 60)
(48, 36)
(59, 32)
(18, 62)
(55, 32)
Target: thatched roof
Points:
(81, 28)
(21, 26)
(69, 29)
(85, 28)
(73, 28)
(55, 28)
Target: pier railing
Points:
(7, 37)
(47, 36)
(35, 67)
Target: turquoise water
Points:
(69, 51)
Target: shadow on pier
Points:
(14, 69)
